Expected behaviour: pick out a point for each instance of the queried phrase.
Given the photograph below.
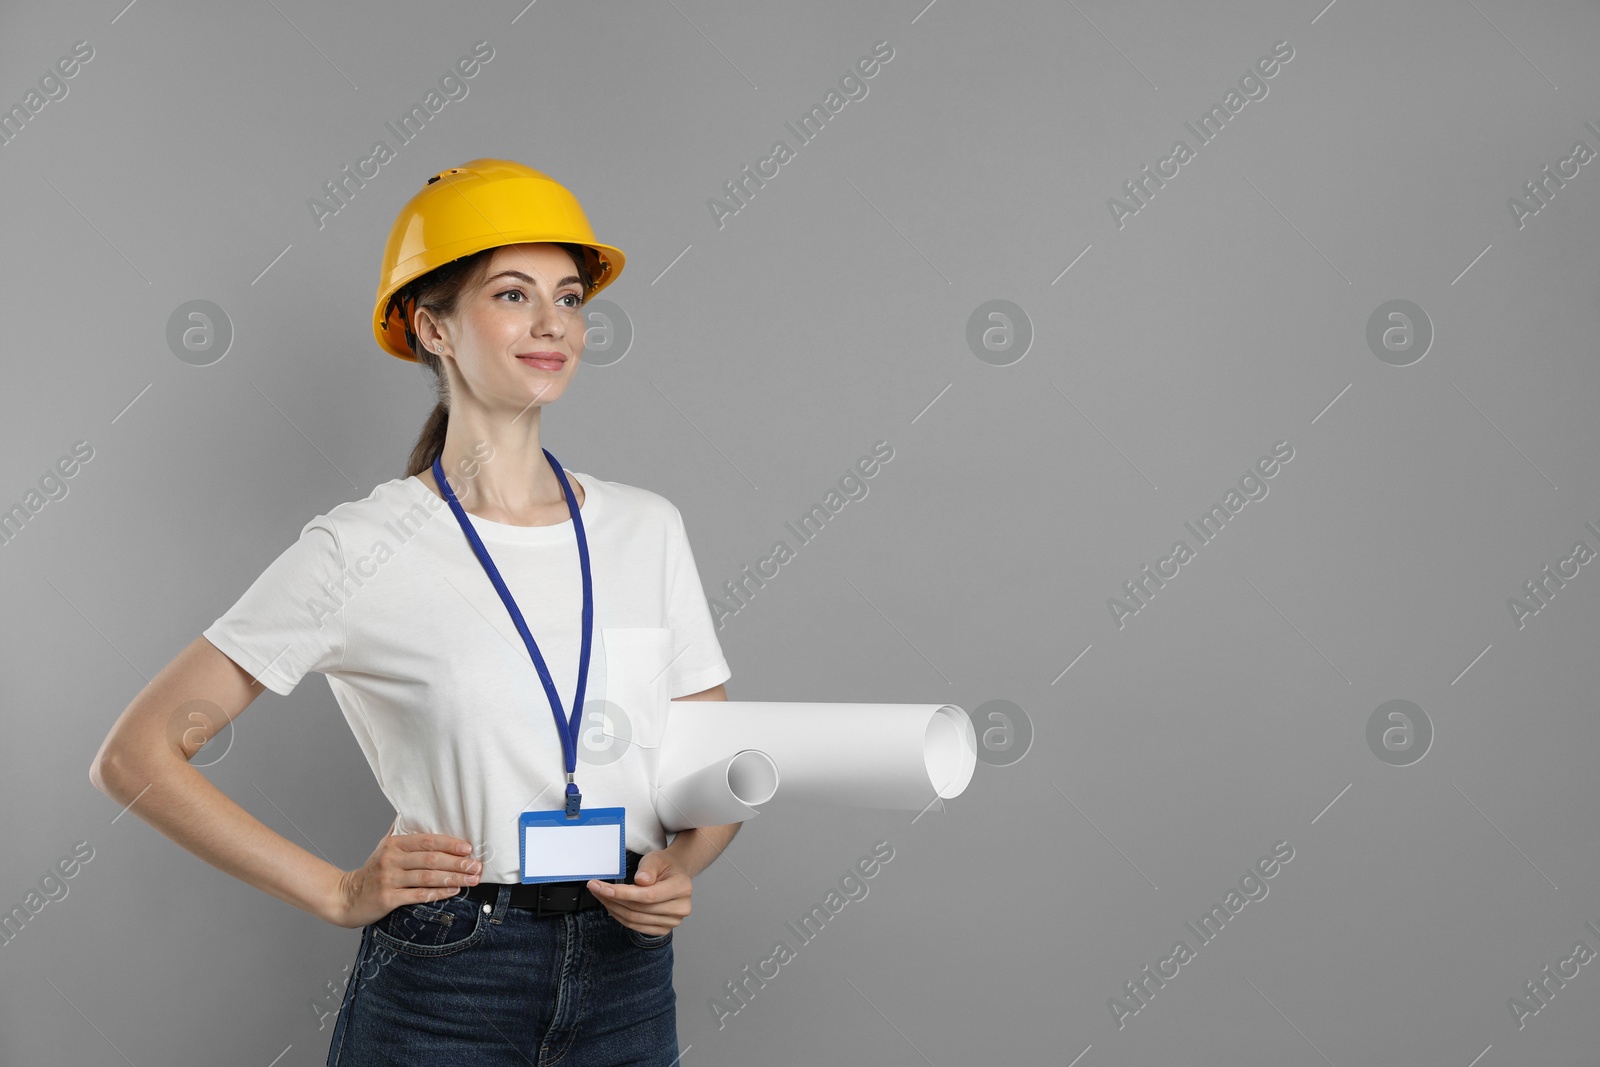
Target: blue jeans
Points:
(459, 981)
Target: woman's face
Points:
(518, 335)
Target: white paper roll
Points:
(898, 756)
(728, 790)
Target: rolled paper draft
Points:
(728, 790)
(897, 756)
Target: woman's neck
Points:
(498, 471)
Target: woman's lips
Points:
(543, 363)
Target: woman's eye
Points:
(522, 298)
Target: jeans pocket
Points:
(436, 928)
(644, 940)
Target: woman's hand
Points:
(658, 899)
(403, 869)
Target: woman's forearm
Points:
(186, 807)
(694, 849)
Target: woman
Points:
(398, 600)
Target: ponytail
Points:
(439, 291)
(431, 444)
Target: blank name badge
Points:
(556, 848)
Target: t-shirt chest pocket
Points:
(638, 677)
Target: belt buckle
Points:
(557, 897)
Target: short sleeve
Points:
(291, 619)
(697, 662)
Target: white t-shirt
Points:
(386, 598)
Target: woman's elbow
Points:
(105, 772)
(112, 771)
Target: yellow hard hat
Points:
(482, 204)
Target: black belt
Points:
(548, 897)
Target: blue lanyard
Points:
(566, 728)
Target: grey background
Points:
(1230, 313)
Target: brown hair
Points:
(440, 291)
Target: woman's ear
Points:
(427, 330)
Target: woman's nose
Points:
(547, 321)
